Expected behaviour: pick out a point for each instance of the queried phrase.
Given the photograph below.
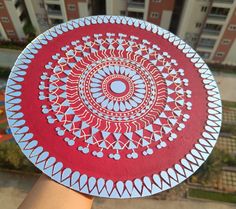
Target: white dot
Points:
(118, 87)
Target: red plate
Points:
(113, 106)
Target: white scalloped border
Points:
(100, 187)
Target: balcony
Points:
(135, 5)
(217, 17)
(54, 10)
(211, 32)
(138, 15)
(205, 46)
(52, 1)
(212, 29)
(54, 22)
(218, 13)
(224, 1)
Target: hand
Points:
(48, 194)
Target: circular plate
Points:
(113, 106)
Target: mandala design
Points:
(115, 94)
(113, 106)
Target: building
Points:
(13, 19)
(47, 13)
(209, 26)
(38, 15)
(42, 14)
(156, 11)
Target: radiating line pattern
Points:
(153, 99)
(139, 187)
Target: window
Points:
(198, 25)
(154, 15)
(219, 12)
(203, 9)
(207, 43)
(213, 29)
(54, 9)
(226, 41)
(156, 1)
(71, 7)
(56, 21)
(4, 19)
(10, 33)
(232, 27)
(138, 15)
(122, 12)
(220, 54)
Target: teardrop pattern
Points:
(137, 187)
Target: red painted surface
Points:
(124, 168)
(72, 14)
(159, 7)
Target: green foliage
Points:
(217, 196)
(229, 129)
(211, 169)
(4, 72)
(11, 157)
(229, 104)
(29, 30)
(3, 125)
(13, 45)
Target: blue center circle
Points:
(118, 87)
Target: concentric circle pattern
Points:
(113, 106)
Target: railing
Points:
(54, 12)
(217, 16)
(211, 32)
(208, 46)
(134, 4)
(224, 1)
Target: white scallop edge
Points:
(98, 186)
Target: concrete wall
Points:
(38, 15)
(191, 15)
(3, 35)
(113, 7)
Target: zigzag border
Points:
(100, 187)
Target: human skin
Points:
(47, 194)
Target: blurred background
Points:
(209, 26)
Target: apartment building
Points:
(43, 14)
(38, 15)
(13, 18)
(209, 26)
(156, 11)
(47, 13)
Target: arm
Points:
(47, 194)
